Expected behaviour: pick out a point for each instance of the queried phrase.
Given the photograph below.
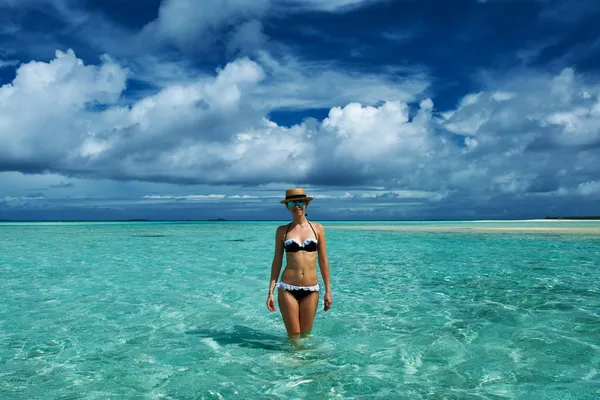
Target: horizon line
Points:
(571, 218)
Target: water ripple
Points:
(177, 311)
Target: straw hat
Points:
(295, 194)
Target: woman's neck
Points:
(299, 220)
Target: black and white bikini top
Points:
(292, 245)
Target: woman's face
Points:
(297, 207)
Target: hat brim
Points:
(307, 198)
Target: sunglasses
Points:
(299, 203)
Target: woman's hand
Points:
(271, 302)
(328, 301)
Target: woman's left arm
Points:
(324, 267)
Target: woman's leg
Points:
(289, 308)
(308, 309)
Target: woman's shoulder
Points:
(282, 227)
(318, 226)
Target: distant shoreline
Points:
(361, 221)
(572, 218)
(541, 220)
(537, 226)
(536, 220)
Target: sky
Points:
(381, 109)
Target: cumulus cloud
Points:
(522, 136)
(543, 111)
(539, 135)
(233, 28)
(49, 107)
(375, 145)
(208, 130)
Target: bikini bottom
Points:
(299, 292)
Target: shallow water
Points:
(176, 310)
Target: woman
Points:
(298, 289)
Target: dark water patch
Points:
(234, 240)
(242, 336)
(149, 236)
(555, 306)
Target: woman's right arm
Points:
(275, 267)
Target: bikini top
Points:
(292, 245)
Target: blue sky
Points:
(181, 109)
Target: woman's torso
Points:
(301, 255)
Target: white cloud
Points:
(297, 84)
(325, 5)
(589, 188)
(503, 96)
(372, 134)
(27, 198)
(246, 196)
(232, 27)
(196, 25)
(208, 130)
(48, 105)
(537, 137)
(190, 23)
(404, 194)
(246, 38)
(470, 115)
(190, 197)
(555, 110)
(8, 63)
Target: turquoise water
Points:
(177, 311)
